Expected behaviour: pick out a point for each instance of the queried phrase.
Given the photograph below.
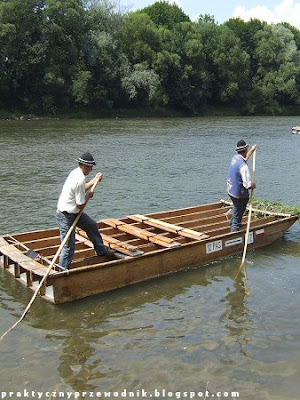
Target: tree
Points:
(295, 32)
(64, 35)
(105, 63)
(22, 54)
(166, 14)
(141, 44)
(191, 88)
(232, 66)
(140, 38)
(278, 59)
(142, 85)
(246, 32)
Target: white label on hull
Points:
(250, 238)
(259, 232)
(212, 247)
(233, 242)
(239, 240)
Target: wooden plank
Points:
(142, 233)
(180, 230)
(122, 247)
(40, 243)
(115, 244)
(35, 235)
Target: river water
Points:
(167, 338)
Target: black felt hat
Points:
(86, 159)
(241, 146)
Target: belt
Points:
(64, 212)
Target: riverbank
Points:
(139, 112)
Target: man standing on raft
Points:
(239, 183)
(73, 198)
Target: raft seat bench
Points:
(179, 230)
(152, 237)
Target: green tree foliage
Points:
(164, 13)
(64, 35)
(140, 38)
(277, 58)
(141, 84)
(189, 84)
(60, 55)
(104, 57)
(246, 31)
(22, 56)
(232, 66)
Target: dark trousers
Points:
(65, 221)
(238, 209)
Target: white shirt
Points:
(73, 192)
(245, 175)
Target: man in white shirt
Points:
(73, 198)
(239, 183)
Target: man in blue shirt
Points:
(239, 183)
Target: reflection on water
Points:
(236, 317)
(178, 332)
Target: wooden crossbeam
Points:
(115, 244)
(141, 233)
(180, 230)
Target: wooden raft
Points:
(169, 241)
(180, 230)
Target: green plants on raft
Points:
(275, 207)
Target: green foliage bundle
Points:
(275, 207)
(63, 55)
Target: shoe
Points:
(109, 253)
